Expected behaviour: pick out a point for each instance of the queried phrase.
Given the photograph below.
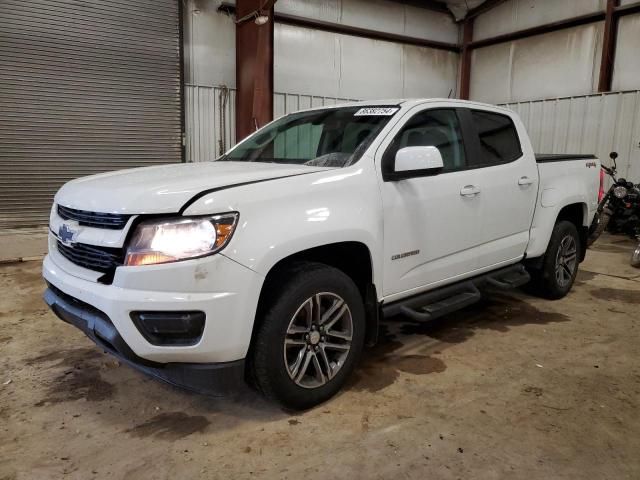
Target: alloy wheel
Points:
(318, 340)
(566, 260)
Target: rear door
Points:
(508, 186)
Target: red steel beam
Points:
(608, 46)
(465, 58)
(254, 69)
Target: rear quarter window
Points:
(499, 141)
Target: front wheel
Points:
(560, 265)
(598, 226)
(635, 257)
(309, 338)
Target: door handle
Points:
(525, 181)
(469, 191)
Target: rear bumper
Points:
(207, 378)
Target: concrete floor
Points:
(516, 387)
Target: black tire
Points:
(267, 362)
(546, 281)
(600, 223)
(635, 257)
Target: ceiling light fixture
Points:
(261, 19)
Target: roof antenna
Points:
(450, 92)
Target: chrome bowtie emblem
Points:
(66, 234)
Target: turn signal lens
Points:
(164, 241)
(148, 258)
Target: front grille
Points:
(100, 259)
(112, 221)
(79, 303)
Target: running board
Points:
(442, 301)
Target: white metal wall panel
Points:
(85, 87)
(515, 15)
(209, 44)
(626, 70)
(327, 64)
(561, 63)
(209, 121)
(597, 124)
(380, 15)
(210, 117)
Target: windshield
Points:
(333, 137)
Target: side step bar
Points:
(442, 301)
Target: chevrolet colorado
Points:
(275, 262)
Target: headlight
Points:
(163, 241)
(620, 192)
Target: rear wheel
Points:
(309, 338)
(560, 264)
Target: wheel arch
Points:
(351, 257)
(578, 214)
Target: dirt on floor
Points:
(515, 387)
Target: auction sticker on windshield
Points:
(379, 111)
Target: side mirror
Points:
(417, 162)
(613, 156)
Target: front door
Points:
(431, 223)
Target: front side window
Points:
(431, 128)
(333, 137)
(499, 142)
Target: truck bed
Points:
(561, 157)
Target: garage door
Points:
(85, 87)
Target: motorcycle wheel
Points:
(599, 225)
(635, 257)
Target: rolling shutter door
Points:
(85, 87)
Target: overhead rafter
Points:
(433, 5)
(627, 9)
(483, 8)
(351, 30)
(540, 29)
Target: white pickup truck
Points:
(275, 263)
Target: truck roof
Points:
(410, 102)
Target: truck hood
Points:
(166, 188)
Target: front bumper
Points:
(210, 379)
(224, 290)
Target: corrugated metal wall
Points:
(85, 87)
(626, 69)
(323, 63)
(210, 117)
(514, 15)
(561, 63)
(597, 124)
(319, 63)
(380, 15)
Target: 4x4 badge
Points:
(66, 234)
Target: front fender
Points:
(282, 217)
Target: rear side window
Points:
(499, 142)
